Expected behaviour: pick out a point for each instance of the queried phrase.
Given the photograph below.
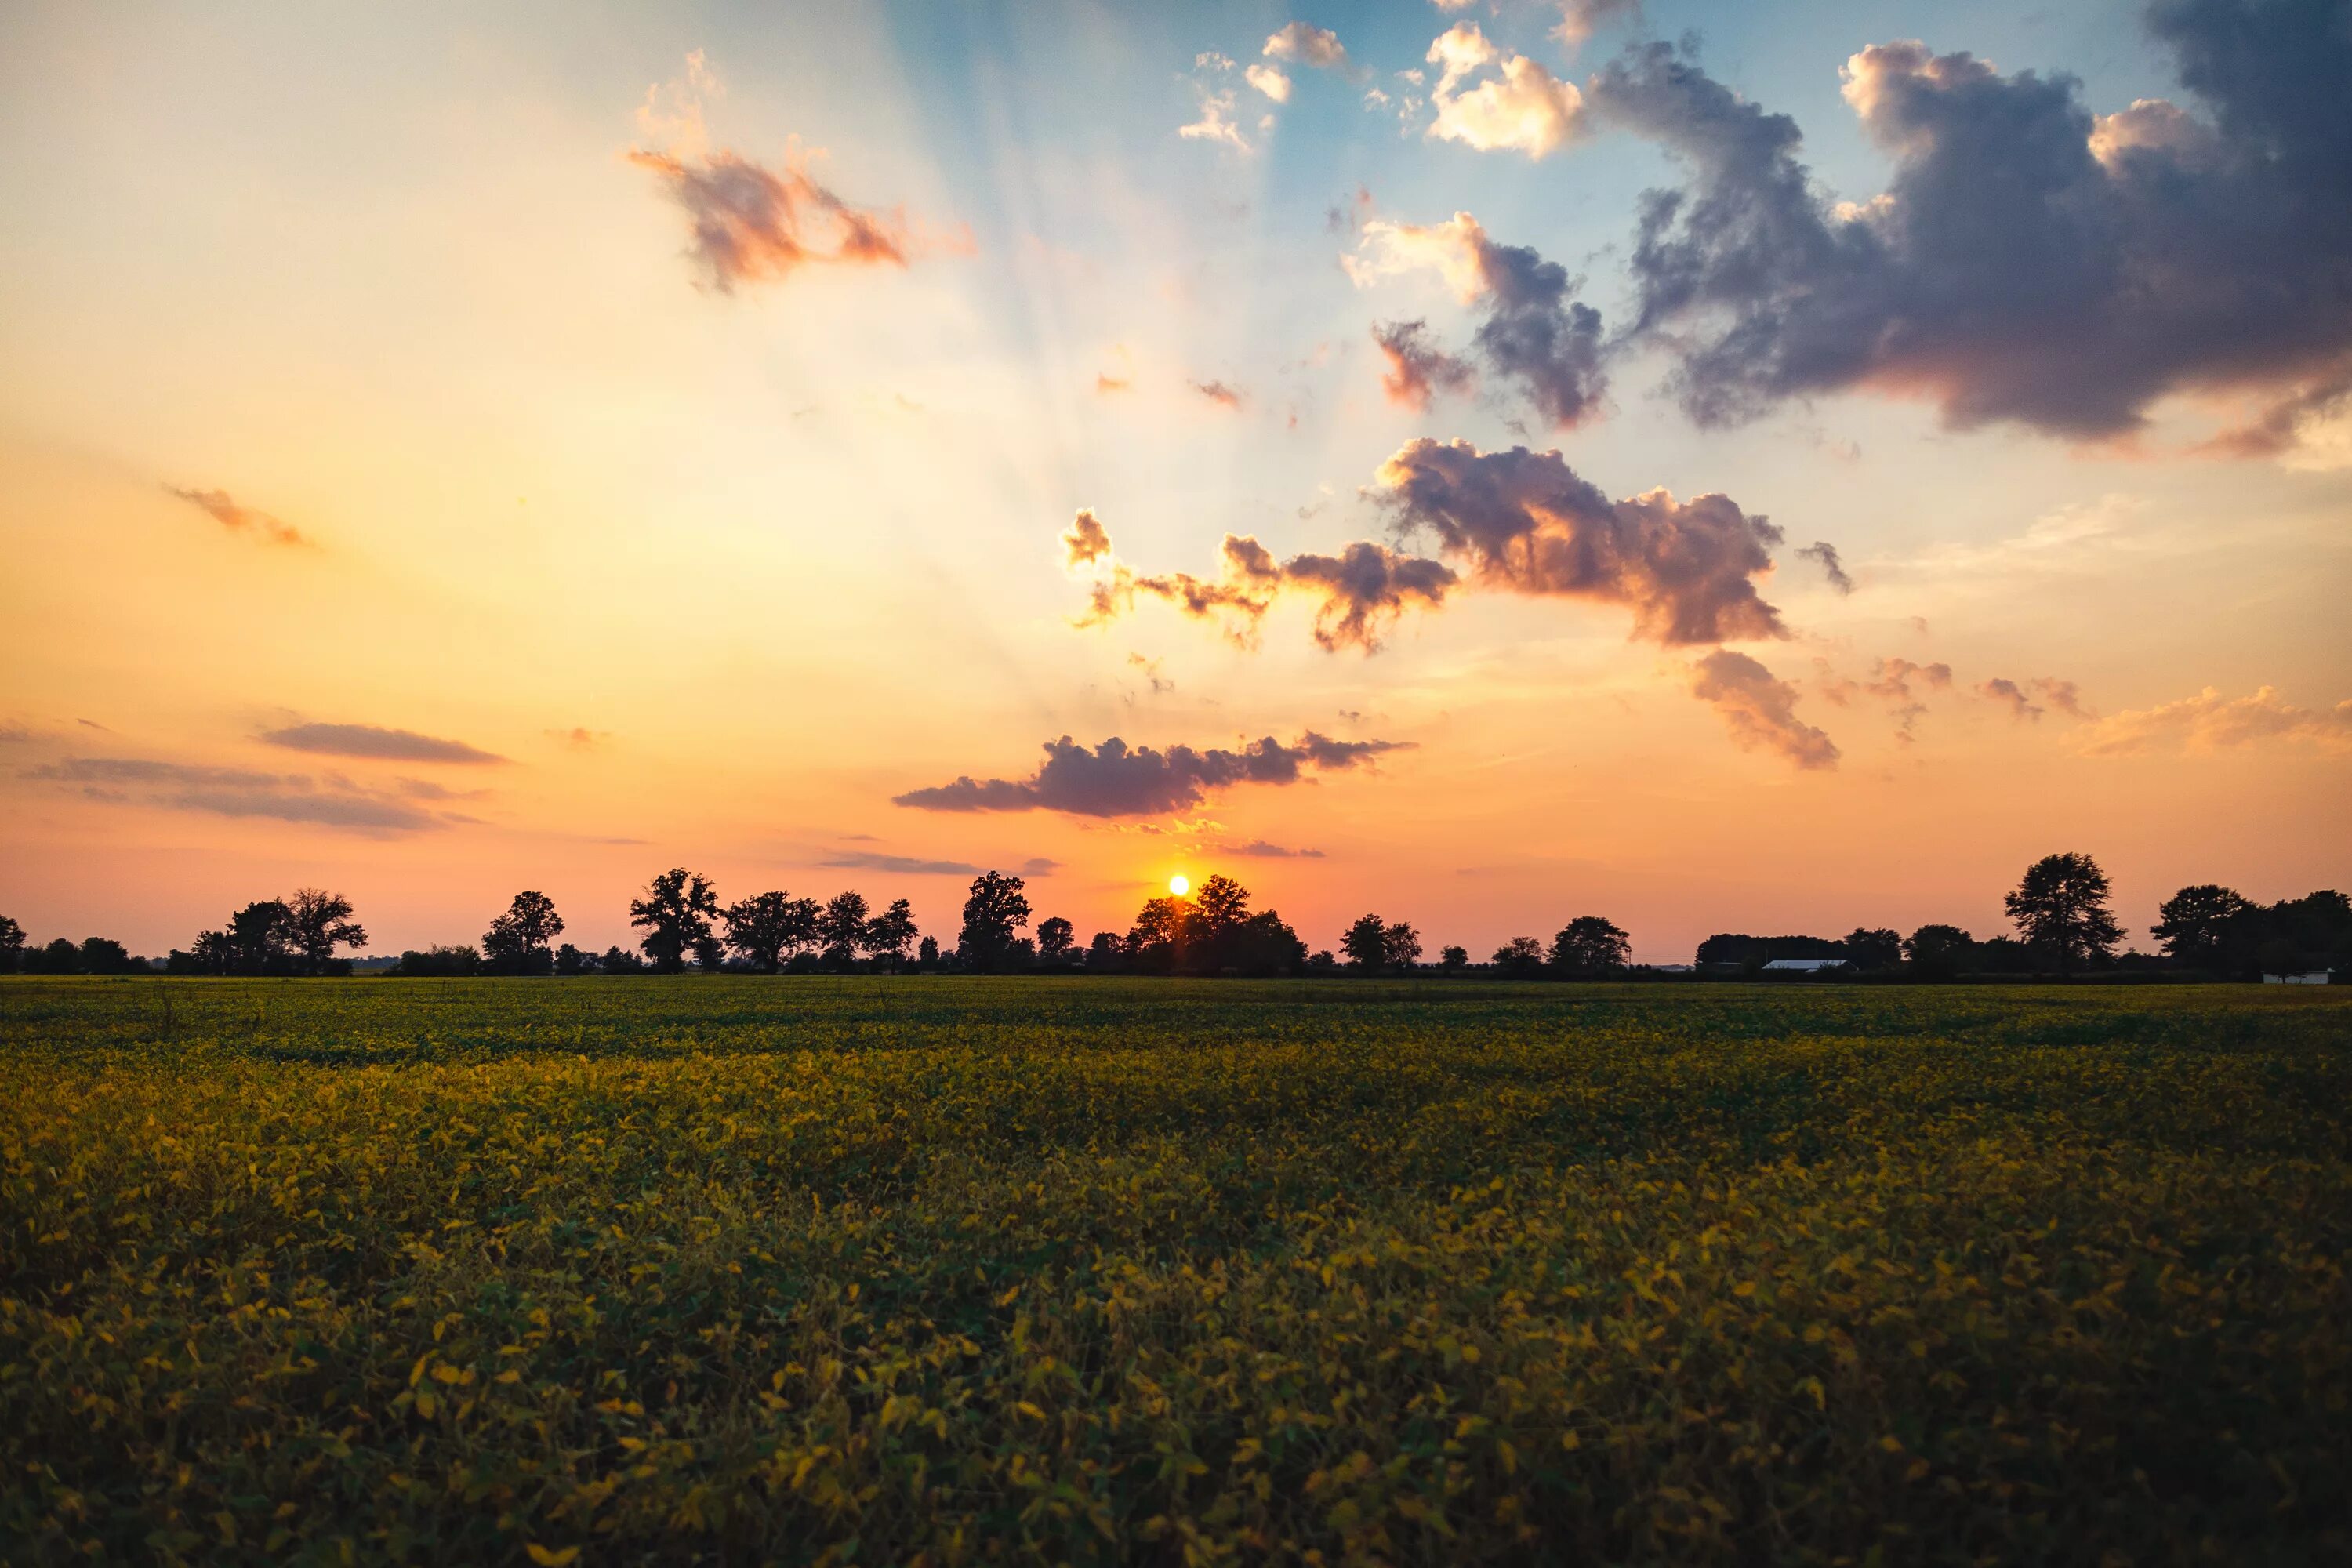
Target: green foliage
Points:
(1099, 1269)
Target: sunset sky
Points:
(447, 449)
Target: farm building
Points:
(1806, 966)
(2301, 977)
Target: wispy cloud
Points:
(223, 508)
(241, 792)
(375, 741)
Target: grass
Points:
(887, 1270)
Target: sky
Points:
(1719, 468)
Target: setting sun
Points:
(1180, 885)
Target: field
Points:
(950, 1270)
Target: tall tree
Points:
(2061, 907)
(767, 928)
(993, 914)
(2196, 925)
(1401, 945)
(317, 922)
(841, 928)
(675, 915)
(1053, 939)
(1588, 945)
(1366, 943)
(521, 940)
(104, 955)
(1152, 940)
(12, 945)
(261, 939)
(889, 934)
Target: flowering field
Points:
(945, 1270)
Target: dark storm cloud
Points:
(2029, 261)
(1535, 334)
(1117, 780)
(1525, 522)
(374, 741)
(1759, 710)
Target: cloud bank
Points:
(1117, 780)
(2209, 722)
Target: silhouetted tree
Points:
(1102, 952)
(841, 928)
(994, 913)
(766, 928)
(260, 938)
(1937, 952)
(519, 941)
(1150, 944)
(928, 954)
(1588, 945)
(317, 922)
(888, 933)
(1323, 963)
(1053, 939)
(570, 960)
(214, 953)
(619, 960)
(1401, 945)
(1454, 960)
(439, 962)
(2061, 907)
(1366, 943)
(1878, 948)
(104, 955)
(675, 915)
(2198, 926)
(61, 956)
(12, 945)
(1522, 955)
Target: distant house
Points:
(1806, 966)
(2301, 977)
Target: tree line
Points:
(2059, 907)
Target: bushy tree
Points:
(1150, 944)
(317, 922)
(993, 914)
(1520, 956)
(1874, 949)
(1366, 943)
(767, 928)
(1937, 952)
(1054, 937)
(104, 955)
(570, 960)
(2061, 908)
(61, 956)
(439, 962)
(841, 928)
(2199, 926)
(1103, 951)
(261, 939)
(927, 954)
(675, 915)
(889, 934)
(1453, 960)
(1400, 945)
(12, 945)
(619, 960)
(1588, 945)
(519, 941)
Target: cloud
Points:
(1270, 81)
(1040, 865)
(1116, 780)
(1356, 594)
(752, 224)
(2209, 722)
(580, 736)
(1161, 684)
(1087, 540)
(1580, 20)
(1107, 383)
(239, 792)
(1759, 710)
(1220, 393)
(224, 510)
(1416, 367)
(374, 741)
(2029, 262)
(2059, 694)
(2002, 690)
(1533, 333)
(1215, 123)
(1525, 522)
(1825, 554)
(1317, 46)
(1258, 848)
(1523, 108)
(1892, 683)
(903, 865)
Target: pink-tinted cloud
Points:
(1759, 710)
(223, 508)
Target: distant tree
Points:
(317, 922)
(675, 915)
(891, 932)
(1323, 962)
(841, 928)
(1262, 943)
(1588, 945)
(766, 928)
(1755, 951)
(928, 954)
(104, 955)
(993, 914)
(519, 941)
(439, 962)
(1400, 946)
(2314, 932)
(260, 938)
(1152, 940)
(1866, 948)
(214, 953)
(2198, 926)
(1054, 939)
(1522, 955)
(1937, 952)
(619, 960)
(61, 956)
(1102, 952)
(1454, 960)
(12, 945)
(2061, 907)
(570, 960)
(1366, 943)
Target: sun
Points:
(1180, 884)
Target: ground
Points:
(895, 1268)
